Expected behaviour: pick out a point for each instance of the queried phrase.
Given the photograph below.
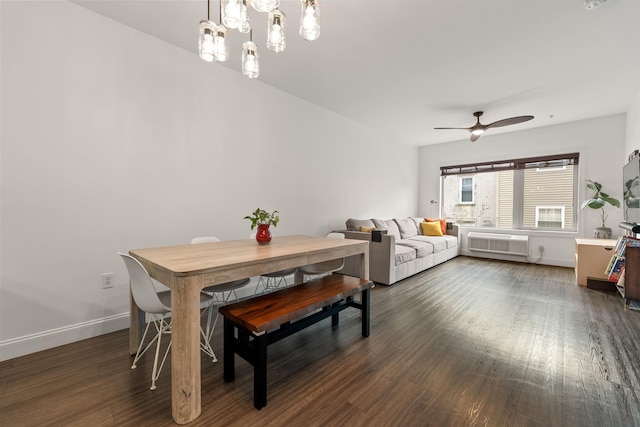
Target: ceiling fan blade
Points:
(478, 129)
(509, 121)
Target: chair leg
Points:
(260, 282)
(162, 327)
(283, 279)
(271, 284)
(140, 352)
(156, 372)
(164, 358)
(207, 334)
(205, 345)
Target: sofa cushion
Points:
(422, 248)
(431, 228)
(452, 241)
(404, 254)
(389, 225)
(407, 227)
(355, 224)
(439, 242)
(417, 221)
(367, 229)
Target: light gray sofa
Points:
(403, 251)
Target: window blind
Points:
(557, 160)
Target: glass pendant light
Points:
(310, 20)
(206, 41)
(212, 42)
(221, 43)
(221, 40)
(592, 4)
(245, 22)
(265, 5)
(276, 39)
(232, 13)
(250, 60)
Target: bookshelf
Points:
(624, 268)
(631, 287)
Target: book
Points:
(616, 269)
(619, 243)
(619, 251)
(611, 262)
(620, 282)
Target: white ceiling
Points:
(404, 67)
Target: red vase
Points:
(263, 236)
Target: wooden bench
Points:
(251, 325)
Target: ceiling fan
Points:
(478, 129)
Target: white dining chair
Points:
(325, 267)
(158, 305)
(272, 281)
(218, 295)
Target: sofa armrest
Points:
(454, 230)
(382, 257)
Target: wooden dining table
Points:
(187, 269)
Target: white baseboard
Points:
(44, 340)
(33, 343)
(558, 262)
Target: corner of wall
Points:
(632, 137)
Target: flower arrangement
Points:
(260, 216)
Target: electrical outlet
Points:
(107, 280)
(541, 248)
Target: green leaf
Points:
(261, 216)
(596, 203)
(611, 200)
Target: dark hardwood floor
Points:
(467, 343)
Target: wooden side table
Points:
(592, 258)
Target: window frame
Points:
(562, 215)
(462, 202)
(518, 166)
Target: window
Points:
(531, 193)
(466, 190)
(550, 217)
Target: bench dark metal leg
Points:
(229, 352)
(366, 309)
(260, 371)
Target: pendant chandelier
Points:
(212, 43)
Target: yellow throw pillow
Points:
(431, 228)
(443, 224)
(367, 229)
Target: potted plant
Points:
(598, 201)
(263, 219)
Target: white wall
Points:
(600, 142)
(113, 140)
(633, 126)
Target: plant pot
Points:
(263, 236)
(602, 233)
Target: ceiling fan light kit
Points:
(479, 129)
(234, 15)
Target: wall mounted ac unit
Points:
(498, 243)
